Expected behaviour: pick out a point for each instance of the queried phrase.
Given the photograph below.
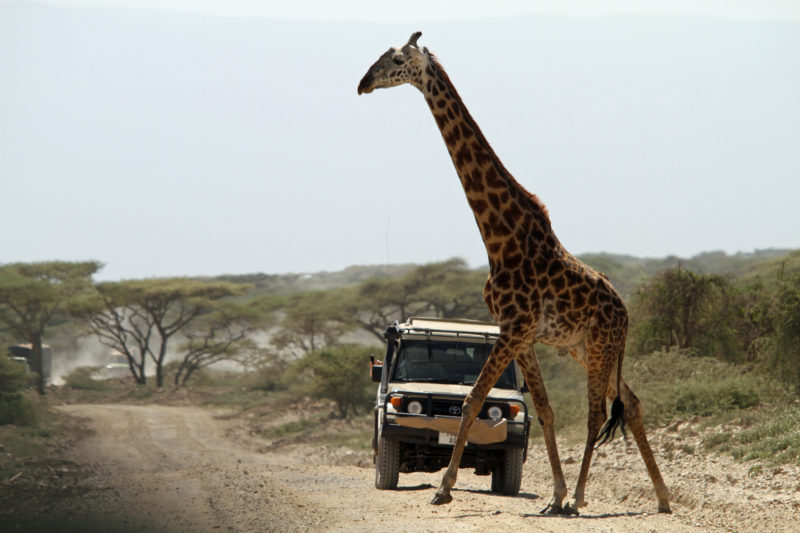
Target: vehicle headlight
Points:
(495, 413)
(414, 407)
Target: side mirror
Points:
(375, 369)
(525, 387)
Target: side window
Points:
(400, 366)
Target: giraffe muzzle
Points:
(365, 85)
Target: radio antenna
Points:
(388, 267)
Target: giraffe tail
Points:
(617, 420)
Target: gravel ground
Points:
(173, 469)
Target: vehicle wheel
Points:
(507, 478)
(387, 465)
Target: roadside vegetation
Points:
(714, 341)
(17, 404)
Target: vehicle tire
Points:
(387, 464)
(507, 478)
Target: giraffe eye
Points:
(398, 61)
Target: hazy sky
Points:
(428, 10)
(209, 137)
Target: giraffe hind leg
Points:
(597, 385)
(533, 377)
(529, 365)
(633, 415)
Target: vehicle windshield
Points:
(453, 361)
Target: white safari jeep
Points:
(429, 368)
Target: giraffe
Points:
(536, 290)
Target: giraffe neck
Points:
(505, 212)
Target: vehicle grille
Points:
(433, 406)
(441, 407)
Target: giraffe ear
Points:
(412, 41)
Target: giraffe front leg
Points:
(502, 353)
(469, 412)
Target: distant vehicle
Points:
(117, 367)
(429, 367)
(23, 361)
(23, 354)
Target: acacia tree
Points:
(222, 334)
(444, 289)
(686, 309)
(139, 317)
(312, 321)
(452, 290)
(378, 302)
(32, 293)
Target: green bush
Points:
(677, 384)
(199, 377)
(265, 379)
(772, 436)
(339, 374)
(785, 357)
(707, 397)
(13, 376)
(81, 379)
(16, 407)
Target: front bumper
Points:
(424, 429)
(430, 438)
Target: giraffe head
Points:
(397, 66)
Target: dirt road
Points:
(173, 469)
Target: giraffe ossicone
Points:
(536, 290)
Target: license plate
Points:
(447, 438)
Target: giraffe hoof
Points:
(552, 509)
(570, 511)
(664, 508)
(441, 499)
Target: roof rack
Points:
(459, 327)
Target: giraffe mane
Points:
(501, 169)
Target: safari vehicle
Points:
(117, 367)
(23, 354)
(429, 367)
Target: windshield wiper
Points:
(498, 385)
(435, 380)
